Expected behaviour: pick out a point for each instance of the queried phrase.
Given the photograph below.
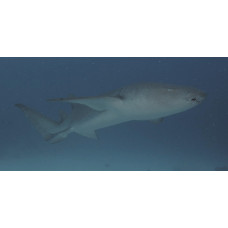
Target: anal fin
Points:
(89, 134)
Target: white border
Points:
(88, 28)
(113, 28)
(113, 199)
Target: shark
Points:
(139, 102)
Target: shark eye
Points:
(195, 99)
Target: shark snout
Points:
(202, 96)
(199, 97)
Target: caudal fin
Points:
(50, 130)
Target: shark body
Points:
(148, 101)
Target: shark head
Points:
(158, 100)
(176, 99)
(182, 98)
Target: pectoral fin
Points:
(157, 121)
(88, 134)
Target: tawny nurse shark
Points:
(148, 101)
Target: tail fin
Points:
(50, 130)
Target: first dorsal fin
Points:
(96, 103)
(73, 106)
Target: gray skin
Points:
(149, 101)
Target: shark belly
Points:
(105, 119)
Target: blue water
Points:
(193, 140)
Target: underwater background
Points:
(195, 140)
